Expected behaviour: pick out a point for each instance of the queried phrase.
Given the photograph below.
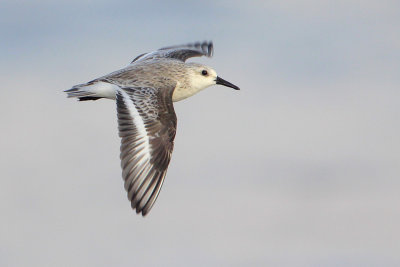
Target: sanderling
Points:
(144, 92)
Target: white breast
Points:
(182, 92)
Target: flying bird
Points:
(144, 92)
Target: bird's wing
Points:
(180, 52)
(147, 126)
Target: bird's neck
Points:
(186, 89)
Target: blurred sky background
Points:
(299, 168)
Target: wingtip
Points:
(142, 212)
(136, 207)
(208, 48)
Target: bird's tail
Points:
(92, 91)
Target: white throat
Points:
(194, 86)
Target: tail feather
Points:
(92, 91)
(79, 91)
(85, 98)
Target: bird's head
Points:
(202, 76)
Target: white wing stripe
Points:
(138, 121)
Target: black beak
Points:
(226, 83)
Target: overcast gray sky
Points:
(299, 168)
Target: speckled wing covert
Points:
(147, 127)
(180, 52)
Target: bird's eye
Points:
(204, 73)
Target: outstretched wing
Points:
(180, 52)
(147, 126)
